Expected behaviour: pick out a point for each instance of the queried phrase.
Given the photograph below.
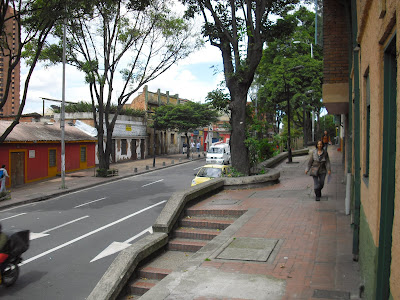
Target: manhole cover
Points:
(331, 294)
(251, 249)
(224, 202)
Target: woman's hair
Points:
(316, 144)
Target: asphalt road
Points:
(72, 236)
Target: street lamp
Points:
(154, 138)
(288, 114)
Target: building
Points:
(11, 106)
(128, 139)
(32, 151)
(166, 142)
(361, 84)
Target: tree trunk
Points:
(239, 151)
(188, 145)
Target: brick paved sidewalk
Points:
(313, 254)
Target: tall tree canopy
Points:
(33, 21)
(184, 117)
(280, 79)
(240, 29)
(134, 41)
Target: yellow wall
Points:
(375, 32)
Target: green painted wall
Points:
(368, 257)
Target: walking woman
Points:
(317, 167)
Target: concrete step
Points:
(206, 222)
(187, 245)
(141, 286)
(196, 233)
(153, 273)
(235, 213)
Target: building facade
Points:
(361, 84)
(166, 142)
(12, 104)
(32, 151)
(128, 139)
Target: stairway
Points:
(195, 230)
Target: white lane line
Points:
(196, 168)
(150, 230)
(111, 182)
(65, 224)
(13, 216)
(152, 182)
(87, 203)
(88, 234)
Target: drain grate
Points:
(224, 202)
(331, 294)
(249, 249)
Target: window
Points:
(83, 154)
(123, 147)
(52, 158)
(368, 125)
(172, 138)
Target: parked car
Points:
(219, 153)
(209, 172)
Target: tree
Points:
(275, 82)
(138, 39)
(33, 21)
(239, 29)
(184, 117)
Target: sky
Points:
(191, 78)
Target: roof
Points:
(36, 131)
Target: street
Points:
(75, 237)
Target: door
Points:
(17, 168)
(133, 149)
(388, 172)
(142, 148)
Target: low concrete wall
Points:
(119, 272)
(177, 202)
(117, 275)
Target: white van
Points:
(219, 153)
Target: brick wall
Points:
(336, 42)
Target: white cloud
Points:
(183, 79)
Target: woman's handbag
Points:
(314, 171)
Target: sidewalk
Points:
(45, 189)
(311, 252)
(287, 245)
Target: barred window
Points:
(52, 158)
(83, 154)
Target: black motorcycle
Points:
(17, 243)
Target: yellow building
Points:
(361, 59)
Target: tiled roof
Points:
(37, 131)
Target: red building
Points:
(32, 151)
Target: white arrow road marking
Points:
(13, 216)
(115, 247)
(34, 236)
(152, 182)
(87, 203)
(88, 234)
